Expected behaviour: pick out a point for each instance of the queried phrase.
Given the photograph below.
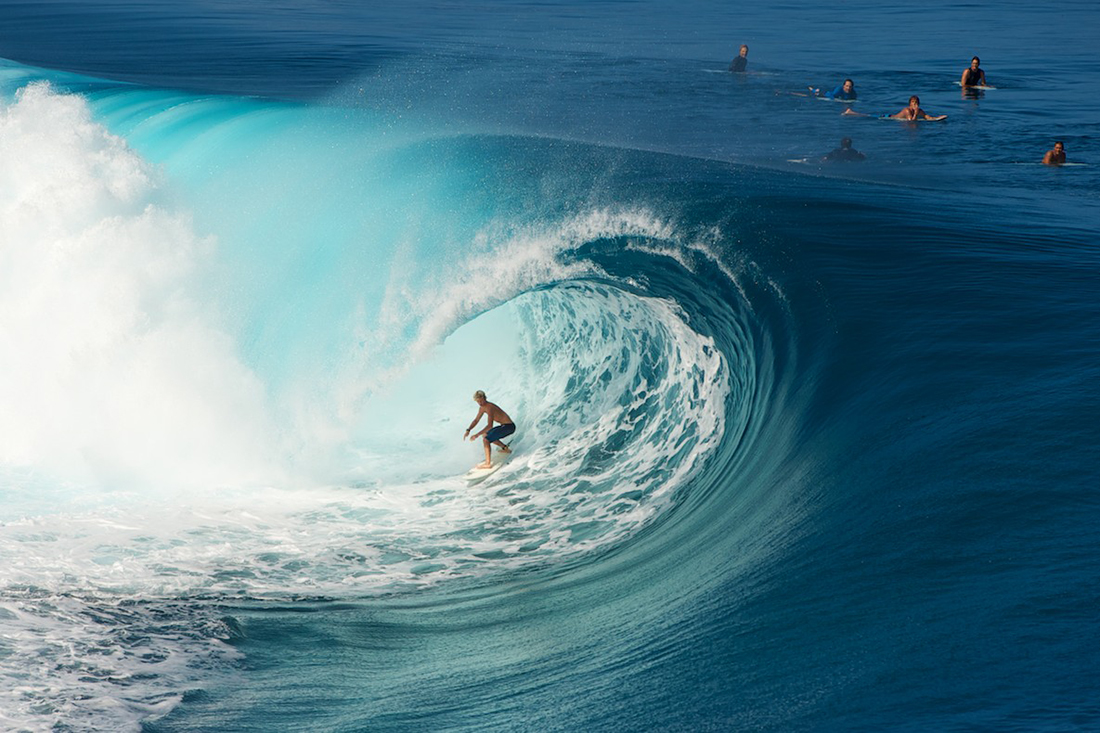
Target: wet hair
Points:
(1059, 142)
(846, 142)
(479, 395)
(848, 80)
(976, 59)
(914, 97)
(744, 47)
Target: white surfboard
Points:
(974, 86)
(477, 475)
(1061, 165)
(938, 118)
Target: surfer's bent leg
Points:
(500, 431)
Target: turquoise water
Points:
(801, 446)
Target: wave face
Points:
(768, 462)
(273, 412)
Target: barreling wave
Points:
(231, 377)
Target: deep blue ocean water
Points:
(801, 446)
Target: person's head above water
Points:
(975, 62)
(744, 50)
(846, 143)
(914, 101)
(1057, 156)
(849, 85)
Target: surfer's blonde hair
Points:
(479, 395)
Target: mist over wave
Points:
(113, 369)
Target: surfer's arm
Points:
(477, 419)
(487, 428)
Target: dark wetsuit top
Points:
(739, 63)
(974, 77)
(843, 155)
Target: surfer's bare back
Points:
(492, 435)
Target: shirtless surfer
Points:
(1057, 156)
(973, 76)
(492, 435)
(913, 112)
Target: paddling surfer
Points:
(492, 435)
(846, 92)
(913, 112)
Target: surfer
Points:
(845, 92)
(492, 435)
(1057, 156)
(914, 112)
(844, 154)
(973, 76)
(739, 63)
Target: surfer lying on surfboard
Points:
(1056, 155)
(846, 92)
(492, 435)
(910, 113)
(914, 112)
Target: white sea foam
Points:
(112, 369)
(95, 663)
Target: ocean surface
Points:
(802, 446)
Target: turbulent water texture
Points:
(800, 446)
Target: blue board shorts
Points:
(500, 431)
